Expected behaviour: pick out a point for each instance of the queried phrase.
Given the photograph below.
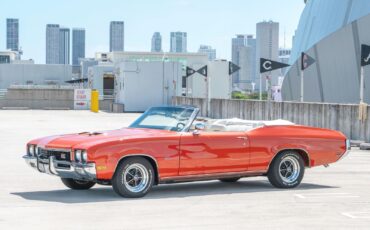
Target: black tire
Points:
(77, 184)
(124, 182)
(230, 180)
(279, 173)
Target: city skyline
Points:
(234, 20)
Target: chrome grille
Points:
(59, 154)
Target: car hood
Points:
(88, 139)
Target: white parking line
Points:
(357, 215)
(325, 195)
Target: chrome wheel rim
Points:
(289, 169)
(135, 178)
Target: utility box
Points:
(140, 85)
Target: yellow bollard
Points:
(94, 101)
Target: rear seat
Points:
(239, 125)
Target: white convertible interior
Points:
(236, 124)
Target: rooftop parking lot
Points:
(337, 197)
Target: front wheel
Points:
(286, 170)
(77, 184)
(133, 178)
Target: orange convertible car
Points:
(173, 144)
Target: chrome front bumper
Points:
(62, 169)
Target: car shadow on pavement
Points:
(106, 194)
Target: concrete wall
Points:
(44, 98)
(22, 74)
(342, 117)
(39, 98)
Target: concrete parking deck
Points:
(337, 197)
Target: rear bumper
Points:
(348, 149)
(62, 169)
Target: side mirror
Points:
(198, 127)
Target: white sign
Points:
(82, 99)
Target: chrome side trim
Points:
(292, 149)
(213, 176)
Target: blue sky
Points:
(211, 22)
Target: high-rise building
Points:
(12, 34)
(236, 43)
(116, 39)
(178, 42)
(267, 46)
(243, 54)
(246, 62)
(251, 42)
(78, 45)
(64, 46)
(157, 42)
(52, 43)
(209, 51)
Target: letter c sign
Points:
(267, 65)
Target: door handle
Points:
(243, 138)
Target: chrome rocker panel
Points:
(76, 171)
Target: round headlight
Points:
(84, 156)
(31, 150)
(78, 155)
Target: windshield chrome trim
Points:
(191, 120)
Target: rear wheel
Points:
(77, 184)
(286, 170)
(229, 180)
(133, 178)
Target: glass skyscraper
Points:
(52, 44)
(116, 39)
(64, 46)
(12, 34)
(178, 42)
(78, 45)
(236, 44)
(156, 42)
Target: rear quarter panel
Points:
(323, 146)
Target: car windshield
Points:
(165, 118)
